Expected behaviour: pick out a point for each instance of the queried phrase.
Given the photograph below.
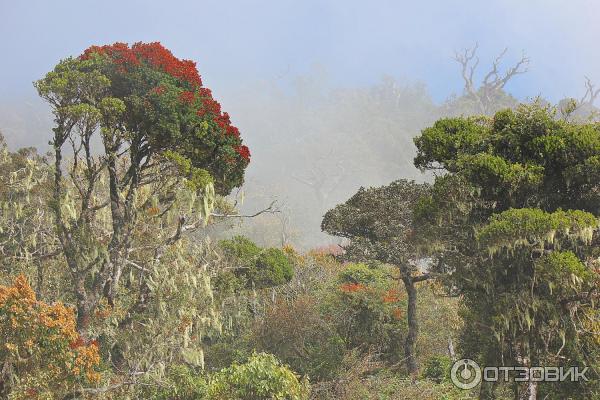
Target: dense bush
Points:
(41, 353)
(300, 335)
(254, 266)
(262, 377)
(368, 308)
(179, 383)
(437, 368)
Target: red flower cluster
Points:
(154, 54)
(243, 151)
(187, 97)
(352, 287)
(157, 56)
(120, 53)
(391, 296)
(79, 342)
(209, 106)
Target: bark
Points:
(532, 390)
(413, 326)
(487, 390)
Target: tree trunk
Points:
(532, 389)
(487, 390)
(413, 326)
(451, 352)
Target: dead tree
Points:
(591, 93)
(493, 82)
(582, 109)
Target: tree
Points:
(489, 96)
(515, 217)
(379, 223)
(139, 125)
(582, 109)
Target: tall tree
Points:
(379, 223)
(130, 124)
(515, 213)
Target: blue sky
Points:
(356, 42)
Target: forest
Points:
(139, 259)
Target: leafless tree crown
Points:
(493, 82)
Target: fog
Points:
(328, 95)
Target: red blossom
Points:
(154, 54)
(187, 97)
(397, 313)
(233, 131)
(243, 151)
(391, 296)
(79, 342)
(157, 56)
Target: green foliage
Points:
(506, 188)
(369, 309)
(379, 222)
(253, 266)
(534, 227)
(563, 273)
(449, 137)
(180, 382)
(361, 273)
(272, 268)
(197, 178)
(240, 247)
(262, 377)
(437, 368)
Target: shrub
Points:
(297, 334)
(253, 266)
(362, 274)
(369, 308)
(272, 268)
(262, 377)
(41, 353)
(437, 368)
(180, 383)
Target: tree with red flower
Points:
(155, 121)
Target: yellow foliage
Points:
(42, 351)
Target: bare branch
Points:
(468, 68)
(590, 92)
(271, 209)
(492, 82)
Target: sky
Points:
(355, 42)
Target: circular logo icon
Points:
(465, 374)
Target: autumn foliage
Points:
(41, 352)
